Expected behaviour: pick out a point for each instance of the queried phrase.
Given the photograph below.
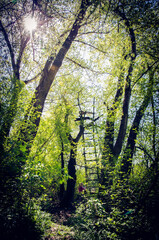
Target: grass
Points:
(60, 232)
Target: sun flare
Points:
(30, 24)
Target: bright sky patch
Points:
(30, 24)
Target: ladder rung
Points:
(89, 147)
(90, 153)
(91, 160)
(89, 139)
(91, 167)
(92, 180)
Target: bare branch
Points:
(32, 79)
(90, 45)
(85, 67)
(8, 45)
(23, 45)
(145, 151)
(148, 69)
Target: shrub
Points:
(23, 223)
(92, 222)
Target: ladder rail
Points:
(89, 142)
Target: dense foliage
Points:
(88, 66)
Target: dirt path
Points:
(59, 230)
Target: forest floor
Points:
(59, 229)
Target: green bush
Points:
(92, 222)
(23, 223)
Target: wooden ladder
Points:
(91, 158)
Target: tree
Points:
(20, 149)
(50, 70)
(113, 145)
(16, 84)
(102, 49)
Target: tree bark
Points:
(124, 119)
(130, 147)
(112, 150)
(108, 150)
(31, 122)
(11, 111)
(62, 187)
(48, 76)
(71, 182)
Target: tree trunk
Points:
(130, 147)
(71, 182)
(30, 125)
(62, 187)
(111, 150)
(49, 73)
(11, 111)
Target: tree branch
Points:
(90, 45)
(124, 119)
(146, 152)
(32, 79)
(129, 150)
(154, 127)
(109, 128)
(8, 45)
(148, 69)
(85, 67)
(23, 45)
(48, 78)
